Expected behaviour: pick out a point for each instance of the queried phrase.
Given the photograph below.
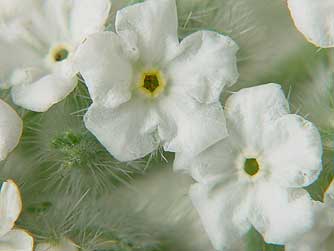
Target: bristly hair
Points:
(65, 157)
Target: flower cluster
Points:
(251, 159)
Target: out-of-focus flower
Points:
(10, 129)
(10, 209)
(321, 236)
(37, 52)
(148, 89)
(315, 20)
(254, 177)
(64, 244)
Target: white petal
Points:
(16, 240)
(59, 19)
(10, 129)
(39, 96)
(105, 68)
(293, 151)
(205, 64)
(47, 23)
(15, 55)
(197, 125)
(249, 110)
(215, 164)
(11, 7)
(68, 21)
(128, 131)
(223, 212)
(281, 215)
(154, 23)
(315, 19)
(63, 245)
(89, 17)
(10, 206)
(12, 13)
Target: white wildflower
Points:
(36, 57)
(254, 177)
(149, 89)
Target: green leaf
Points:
(255, 242)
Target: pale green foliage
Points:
(72, 187)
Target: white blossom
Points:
(37, 52)
(149, 89)
(255, 176)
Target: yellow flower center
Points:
(59, 53)
(152, 83)
(251, 167)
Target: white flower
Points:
(10, 208)
(148, 89)
(321, 236)
(315, 20)
(10, 129)
(254, 177)
(36, 57)
(64, 244)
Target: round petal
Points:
(223, 212)
(64, 244)
(205, 63)
(315, 20)
(88, 17)
(10, 206)
(154, 24)
(128, 131)
(106, 69)
(249, 111)
(293, 151)
(280, 215)
(197, 125)
(40, 95)
(10, 129)
(16, 240)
